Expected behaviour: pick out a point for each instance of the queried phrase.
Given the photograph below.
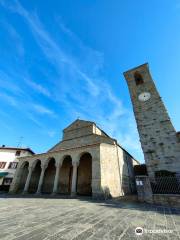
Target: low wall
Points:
(145, 194)
(172, 200)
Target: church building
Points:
(86, 162)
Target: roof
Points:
(133, 69)
(17, 148)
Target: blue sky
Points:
(63, 60)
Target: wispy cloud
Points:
(38, 87)
(78, 86)
(7, 84)
(34, 120)
(51, 133)
(15, 38)
(42, 110)
(52, 50)
(9, 99)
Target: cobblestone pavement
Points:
(40, 218)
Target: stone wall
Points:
(172, 200)
(110, 176)
(126, 171)
(117, 170)
(158, 137)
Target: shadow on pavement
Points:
(110, 203)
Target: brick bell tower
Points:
(159, 140)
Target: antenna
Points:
(20, 142)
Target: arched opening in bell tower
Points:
(138, 78)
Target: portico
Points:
(56, 174)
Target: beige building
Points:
(9, 158)
(86, 162)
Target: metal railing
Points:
(166, 185)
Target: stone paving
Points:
(79, 219)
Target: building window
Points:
(18, 152)
(138, 78)
(7, 181)
(2, 164)
(13, 165)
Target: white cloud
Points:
(34, 120)
(16, 38)
(7, 84)
(38, 87)
(9, 99)
(51, 133)
(51, 49)
(42, 109)
(79, 87)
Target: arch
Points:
(84, 176)
(35, 163)
(65, 178)
(49, 159)
(138, 78)
(23, 175)
(49, 175)
(33, 185)
(24, 164)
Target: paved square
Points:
(36, 219)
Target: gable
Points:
(81, 132)
(78, 124)
(77, 129)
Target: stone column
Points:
(28, 180)
(43, 168)
(56, 179)
(74, 178)
(16, 180)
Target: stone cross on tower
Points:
(159, 140)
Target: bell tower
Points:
(159, 140)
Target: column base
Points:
(24, 192)
(98, 195)
(12, 192)
(73, 194)
(53, 193)
(38, 193)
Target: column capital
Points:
(21, 165)
(44, 166)
(75, 163)
(58, 164)
(30, 168)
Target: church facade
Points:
(86, 162)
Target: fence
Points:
(166, 185)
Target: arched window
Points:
(138, 78)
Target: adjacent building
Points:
(9, 158)
(86, 162)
